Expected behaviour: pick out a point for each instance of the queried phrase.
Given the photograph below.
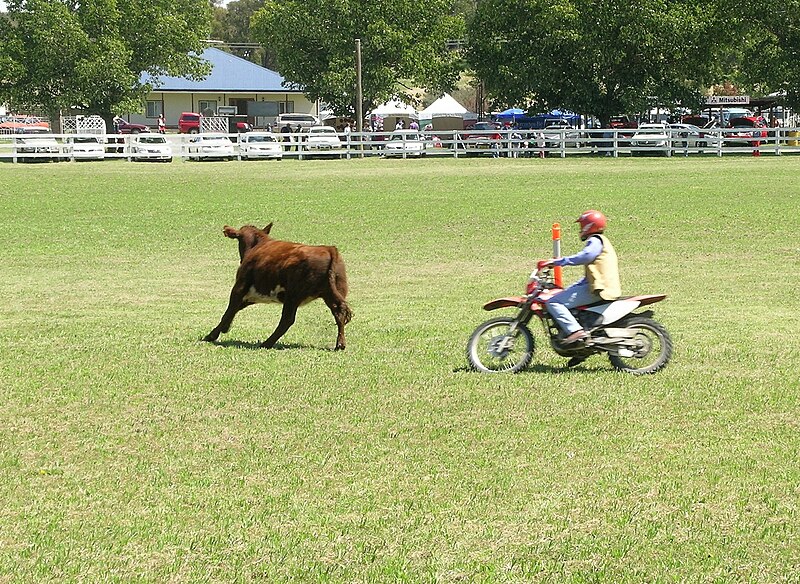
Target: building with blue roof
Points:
(253, 90)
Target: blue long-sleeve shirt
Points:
(589, 253)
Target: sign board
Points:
(227, 110)
(728, 100)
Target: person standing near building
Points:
(162, 124)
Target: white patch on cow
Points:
(256, 297)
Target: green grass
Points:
(130, 451)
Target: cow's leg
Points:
(235, 304)
(287, 319)
(341, 314)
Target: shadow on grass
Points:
(536, 368)
(257, 345)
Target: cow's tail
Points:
(337, 278)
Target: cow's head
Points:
(249, 236)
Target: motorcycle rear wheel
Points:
(492, 349)
(654, 347)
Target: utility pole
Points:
(359, 92)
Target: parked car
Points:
(651, 138)
(86, 147)
(189, 123)
(21, 125)
(211, 146)
(482, 136)
(305, 121)
(693, 137)
(42, 147)
(322, 140)
(557, 131)
(750, 130)
(124, 127)
(408, 142)
(153, 148)
(260, 145)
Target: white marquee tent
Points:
(388, 113)
(446, 114)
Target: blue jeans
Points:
(579, 294)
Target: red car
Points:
(124, 127)
(189, 123)
(748, 131)
(481, 136)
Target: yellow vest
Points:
(603, 272)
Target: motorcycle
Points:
(633, 341)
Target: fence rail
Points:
(561, 143)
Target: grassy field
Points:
(130, 451)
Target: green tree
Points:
(61, 54)
(601, 57)
(403, 41)
(765, 44)
(231, 25)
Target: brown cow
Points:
(292, 274)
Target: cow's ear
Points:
(230, 232)
(268, 228)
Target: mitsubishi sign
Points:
(728, 100)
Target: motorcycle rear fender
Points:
(646, 299)
(508, 301)
(616, 309)
(620, 333)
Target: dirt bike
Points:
(634, 342)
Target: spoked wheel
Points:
(495, 348)
(650, 349)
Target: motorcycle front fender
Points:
(507, 302)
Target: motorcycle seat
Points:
(601, 301)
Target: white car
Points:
(86, 147)
(211, 146)
(260, 145)
(556, 132)
(651, 137)
(408, 142)
(693, 137)
(152, 147)
(43, 147)
(322, 140)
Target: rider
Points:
(600, 282)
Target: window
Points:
(285, 107)
(154, 109)
(208, 107)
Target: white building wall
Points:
(176, 103)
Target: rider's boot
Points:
(576, 361)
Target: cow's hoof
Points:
(267, 345)
(210, 338)
(339, 348)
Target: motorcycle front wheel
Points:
(494, 348)
(652, 350)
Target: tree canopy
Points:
(60, 54)
(401, 40)
(599, 57)
(765, 45)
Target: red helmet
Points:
(591, 222)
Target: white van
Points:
(294, 119)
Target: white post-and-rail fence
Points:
(550, 143)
